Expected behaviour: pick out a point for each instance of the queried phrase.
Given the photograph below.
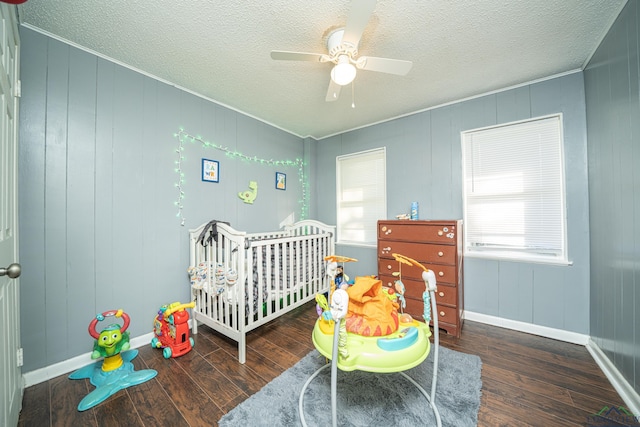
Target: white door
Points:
(11, 384)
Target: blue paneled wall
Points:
(99, 228)
(612, 81)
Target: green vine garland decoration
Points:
(184, 137)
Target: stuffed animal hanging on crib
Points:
(200, 278)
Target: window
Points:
(361, 196)
(513, 179)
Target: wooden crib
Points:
(241, 280)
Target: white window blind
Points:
(514, 199)
(361, 196)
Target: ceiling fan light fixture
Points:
(344, 71)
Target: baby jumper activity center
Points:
(362, 330)
(115, 372)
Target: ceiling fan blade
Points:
(333, 92)
(384, 65)
(358, 18)
(299, 56)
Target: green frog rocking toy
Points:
(115, 372)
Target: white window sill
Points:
(518, 258)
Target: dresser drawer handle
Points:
(441, 294)
(440, 273)
(389, 267)
(440, 233)
(440, 253)
(442, 313)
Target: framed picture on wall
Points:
(210, 170)
(281, 181)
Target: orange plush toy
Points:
(371, 312)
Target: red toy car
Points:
(171, 327)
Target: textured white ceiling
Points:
(221, 50)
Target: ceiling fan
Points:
(342, 48)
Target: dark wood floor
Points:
(526, 380)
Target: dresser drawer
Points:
(414, 289)
(415, 308)
(447, 295)
(445, 254)
(445, 314)
(444, 273)
(413, 231)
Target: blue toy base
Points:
(110, 382)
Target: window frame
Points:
(484, 242)
(376, 207)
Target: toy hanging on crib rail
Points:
(171, 327)
(115, 372)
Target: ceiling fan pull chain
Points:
(353, 96)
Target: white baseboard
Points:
(543, 331)
(625, 390)
(48, 372)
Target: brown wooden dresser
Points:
(438, 246)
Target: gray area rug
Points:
(366, 399)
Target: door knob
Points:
(12, 271)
